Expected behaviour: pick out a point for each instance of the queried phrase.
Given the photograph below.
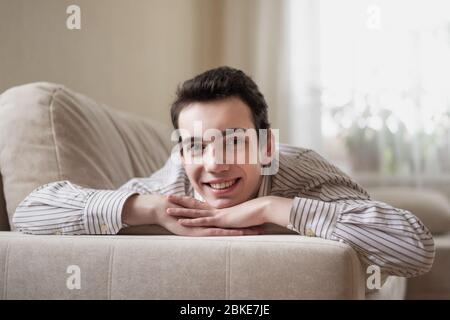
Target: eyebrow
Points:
(223, 132)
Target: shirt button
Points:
(310, 233)
(104, 228)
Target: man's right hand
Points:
(151, 209)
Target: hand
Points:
(195, 213)
(151, 209)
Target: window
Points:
(383, 87)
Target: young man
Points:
(203, 195)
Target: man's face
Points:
(221, 183)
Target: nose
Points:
(214, 161)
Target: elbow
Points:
(18, 222)
(24, 216)
(422, 263)
(424, 248)
(427, 253)
(416, 261)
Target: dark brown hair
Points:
(221, 83)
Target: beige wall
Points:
(252, 40)
(128, 54)
(132, 54)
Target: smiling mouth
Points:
(223, 185)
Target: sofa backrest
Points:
(49, 133)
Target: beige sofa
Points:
(49, 133)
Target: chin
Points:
(222, 203)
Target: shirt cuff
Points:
(103, 211)
(313, 218)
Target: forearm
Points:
(63, 207)
(141, 210)
(277, 210)
(391, 238)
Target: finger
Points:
(212, 221)
(257, 229)
(252, 231)
(230, 232)
(188, 202)
(188, 213)
(206, 232)
(198, 222)
(197, 203)
(217, 232)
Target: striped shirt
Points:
(326, 204)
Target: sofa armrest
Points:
(175, 267)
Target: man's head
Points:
(220, 99)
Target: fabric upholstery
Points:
(60, 134)
(173, 267)
(431, 207)
(393, 289)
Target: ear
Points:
(181, 156)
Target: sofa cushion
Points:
(394, 288)
(431, 207)
(50, 133)
(176, 267)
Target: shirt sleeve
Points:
(391, 238)
(65, 208)
(336, 208)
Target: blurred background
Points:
(364, 83)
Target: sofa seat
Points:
(175, 267)
(393, 289)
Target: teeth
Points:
(222, 185)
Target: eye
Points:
(239, 140)
(195, 147)
(235, 140)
